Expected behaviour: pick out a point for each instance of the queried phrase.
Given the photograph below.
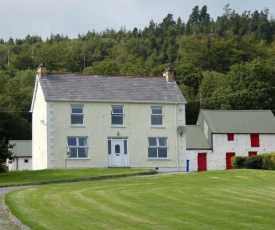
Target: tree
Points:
(222, 95)
(189, 77)
(253, 85)
(194, 17)
(107, 67)
(210, 84)
(5, 153)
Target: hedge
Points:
(262, 161)
(238, 162)
(269, 161)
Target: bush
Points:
(238, 162)
(2, 168)
(254, 162)
(269, 161)
(262, 161)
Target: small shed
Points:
(22, 155)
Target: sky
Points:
(20, 18)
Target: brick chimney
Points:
(169, 74)
(42, 70)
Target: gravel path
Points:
(7, 220)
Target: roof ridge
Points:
(100, 75)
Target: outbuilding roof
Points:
(71, 87)
(195, 138)
(239, 121)
(22, 148)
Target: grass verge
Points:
(232, 199)
(17, 178)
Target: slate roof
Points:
(70, 87)
(22, 148)
(195, 138)
(240, 121)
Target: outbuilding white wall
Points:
(20, 163)
(241, 145)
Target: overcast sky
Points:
(72, 17)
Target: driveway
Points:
(7, 220)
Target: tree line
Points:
(226, 63)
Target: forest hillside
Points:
(222, 63)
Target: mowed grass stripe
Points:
(234, 199)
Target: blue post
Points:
(187, 165)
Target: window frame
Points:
(117, 115)
(75, 114)
(156, 115)
(158, 147)
(77, 147)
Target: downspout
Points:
(16, 163)
(177, 147)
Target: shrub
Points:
(2, 168)
(269, 161)
(254, 162)
(238, 162)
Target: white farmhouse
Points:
(221, 134)
(92, 121)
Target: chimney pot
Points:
(169, 74)
(42, 70)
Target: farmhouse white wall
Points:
(39, 131)
(97, 127)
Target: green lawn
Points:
(14, 178)
(232, 199)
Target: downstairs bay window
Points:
(77, 147)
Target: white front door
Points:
(118, 152)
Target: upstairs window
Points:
(117, 115)
(156, 115)
(157, 147)
(77, 115)
(230, 137)
(255, 140)
(77, 147)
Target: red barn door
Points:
(228, 160)
(202, 162)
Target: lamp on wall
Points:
(118, 133)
